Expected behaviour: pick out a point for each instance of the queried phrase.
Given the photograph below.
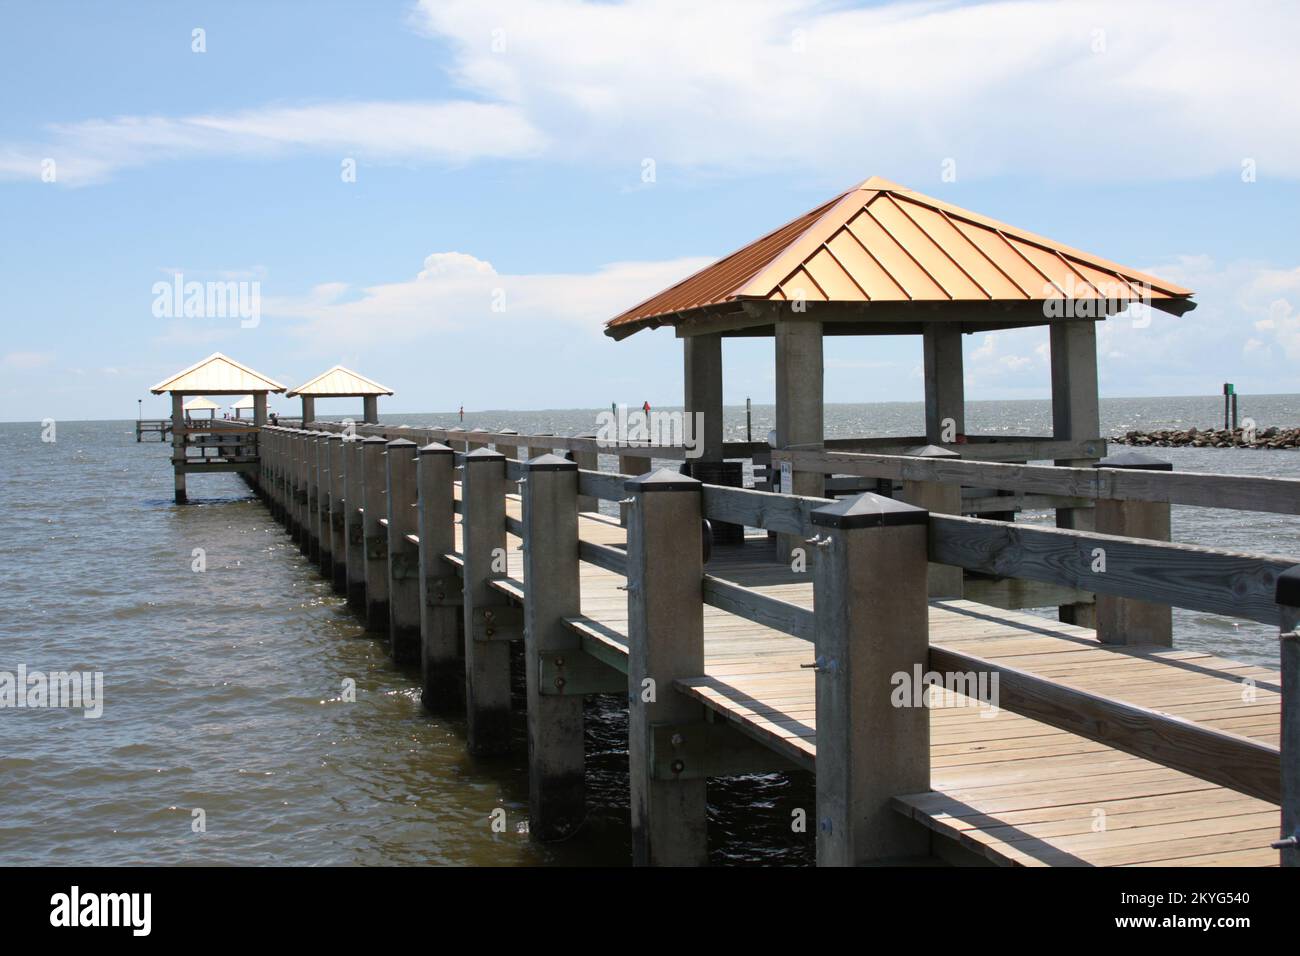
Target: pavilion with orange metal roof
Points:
(340, 382)
(881, 259)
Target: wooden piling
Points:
(354, 542)
(300, 493)
(338, 541)
(441, 634)
(556, 767)
(586, 461)
(403, 554)
(872, 623)
(373, 480)
(313, 496)
(535, 451)
(179, 438)
(324, 485)
(487, 654)
(1128, 620)
(665, 643)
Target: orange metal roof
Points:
(881, 242)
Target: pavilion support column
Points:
(945, 387)
(178, 445)
(370, 409)
(1075, 417)
(703, 387)
(259, 409)
(799, 416)
(308, 409)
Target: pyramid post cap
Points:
(662, 479)
(435, 448)
(868, 510)
(931, 451)
(373, 440)
(484, 454)
(550, 462)
(401, 443)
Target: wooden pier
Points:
(1092, 749)
(162, 427)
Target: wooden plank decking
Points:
(1013, 790)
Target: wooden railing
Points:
(869, 558)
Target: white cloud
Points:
(454, 291)
(374, 132)
(26, 361)
(1104, 89)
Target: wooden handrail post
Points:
(313, 497)
(300, 498)
(586, 461)
(536, 451)
(665, 643)
(338, 543)
(556, 762)
(487, 656)
(442, 676)
(872, 623)
(1128, 620)
(354, 540)
(373, 482)
(1288, 599)
(324, 484)
(403, 556)
(634, 465)
(509, 451)
(937, 497)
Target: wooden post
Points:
(633, 465)
(373, 481)
(1128, 620)
(937, 497)
(178, 446)
(702, 377)
(354, 537)
(291, 442)
(324, 484)
(308, 409)
(799, 373)
(338, 540)
(586, 461)
(665, 643)
(509, 451)
(443, 676)
(315, 487)
(872, 623)
(300, 470)
(403, 555)
(259, 409)
(556, 762)
(1288, 599)
(370, 409)
(487, 657)
(945, 387)
(536, 451)
(1075, 417)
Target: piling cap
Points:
(435, 448)
(401, 443)
(507, 431)
(931, 451)
(1288, 587)
(550, 462)
(868, 510)
(662, 479)
(373, 440)
(484, 454)
(584, 435)
(1135, 460)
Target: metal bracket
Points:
(574, 673)
(497, 622)
(693, 751)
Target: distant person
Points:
(275, 420)
(646, 407)
(462, 413)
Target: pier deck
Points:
(1010, 789)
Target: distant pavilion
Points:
(215, 375)
(339, 382)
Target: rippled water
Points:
(223, 689)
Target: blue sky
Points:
(499, 150)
